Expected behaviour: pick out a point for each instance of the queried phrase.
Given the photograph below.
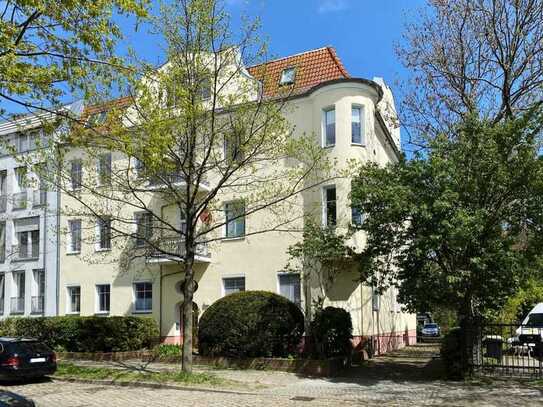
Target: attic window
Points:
(287, 76)
(97, 118)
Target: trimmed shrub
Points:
(251, 324)
(168, 350)
(86, 334)
(331, 333)
(451, 354)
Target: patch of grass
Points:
(164, 350)
(69, 370)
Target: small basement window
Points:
(287, 76)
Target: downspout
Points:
(160, 305)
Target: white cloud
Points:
(329, 6)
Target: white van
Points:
(531, 330)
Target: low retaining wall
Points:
(310, 367)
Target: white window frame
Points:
(98, 245)
(324, 203)
(229, 277)
(362, 124)
(97, 302)
(69, 310)
(101, 158)
(72, 162)
(283, 81)
(279, 285)
(134, 297)
(244, 217)
(324, 127)
(69, 237)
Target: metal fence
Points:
(512, 350)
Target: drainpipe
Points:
(57, 305)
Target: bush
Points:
(451, 354)
(331, 333)
(86, 334)
(251, 324)
(167, 350)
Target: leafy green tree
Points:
(50, 48)
(459, 226)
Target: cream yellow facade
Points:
(257, 259)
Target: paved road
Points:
(407, 378)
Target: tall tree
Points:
(191, 135)
(471, 56)
(458, 227)
(49, 48)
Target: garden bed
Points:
(310, 367)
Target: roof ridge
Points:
(337, 60)
(290, 56)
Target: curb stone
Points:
(151, 385)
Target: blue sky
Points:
(364, 32)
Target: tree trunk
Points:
(471, 347)
(187, 312)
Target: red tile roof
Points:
(312, 68)
(105, 106)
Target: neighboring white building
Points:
(29, 265)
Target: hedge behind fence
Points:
(86, 334)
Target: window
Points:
(96, 119)
(287, 76)
(289, 286)
(27, 141)
(104, 234)
(233, 285)
(357, 120)
(138, 166)
(18, 301)
(74, 300)
(20, 179)
(144, 228)
(3, 182)
(375, 300)
(204, 89)
(38, 291)
(27, 234)
(76, 174)
(356, 216)
(143, 293)
(104, 169)
(329, 127)
(103, 292)
(232, 147)
(235, 219)
(329, 206)
(74, 236)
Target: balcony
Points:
(37, 304)
(17, 305)
(23, 252)
(3, 203)
(176, 180)
(19, 200)
(176, 246)
(39, 198)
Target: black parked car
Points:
(25, 358)
(9, 399)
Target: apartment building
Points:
(351, 118)
(28, 219)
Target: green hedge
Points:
(86, 334)
(331, 333)
(251, 324)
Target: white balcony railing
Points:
(24, 252)
(37, 304)
(17, 305)
(39, 197)
(19, 200)
(3, 203)
(174, 249)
